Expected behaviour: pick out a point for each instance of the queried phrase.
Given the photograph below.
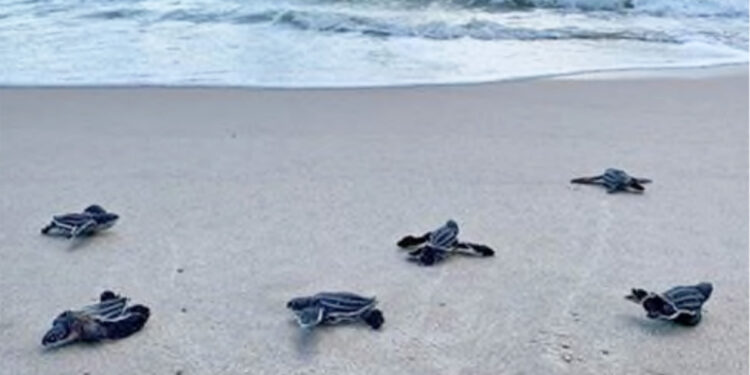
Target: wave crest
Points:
(475, 29)
(656, 7)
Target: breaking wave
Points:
(661, 7)
(330, 42)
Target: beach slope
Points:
(233, 201)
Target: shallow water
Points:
(293, 43)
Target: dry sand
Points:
(263, 195)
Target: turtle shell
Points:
(101, 219)
(616, 179)
(445, 237)
(72, 220)
(335, 307)
(95, 209)
(344, 304)
(85, 324)
(689, 298)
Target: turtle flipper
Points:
(309, 317)
(131, 321)
(688, 318)
(430, 255)
(658, 307)
(595, 180)
(85, 228)
(374, 318)
(424, 255)
(47, 228)
(643, 180)
(410, 241)
(635, 184)
(55, 229)
(416, 252)
(92, 330)
(482, 250)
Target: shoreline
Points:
(701, 71)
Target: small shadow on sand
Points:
(84, 242)
(460, 253)
(306, 340)
(655, 327)
(580, 187)
(79, 347)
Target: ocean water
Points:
(334, 43)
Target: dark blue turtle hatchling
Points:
(111, 319)
(681, 304)
(434, 246)
(93, 219)
(614, 180)
(335, 307)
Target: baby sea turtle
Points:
(438, 244)
(681, 304)
(335, 307)
(108, 319)
(91, 220)
(614, 180)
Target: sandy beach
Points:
(233, 201)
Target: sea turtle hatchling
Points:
(440, 243)
(335, 307)
(614, 180)
(681, 304)
(111, 318)
(93, 219)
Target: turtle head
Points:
(102, 217)
(656, 307)
(615, 172)
(636, 295)
(299, 303)
(94, 209)
(706, 289)
(451, 224)
(105, 220)
(108, 217)
(62, 331)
